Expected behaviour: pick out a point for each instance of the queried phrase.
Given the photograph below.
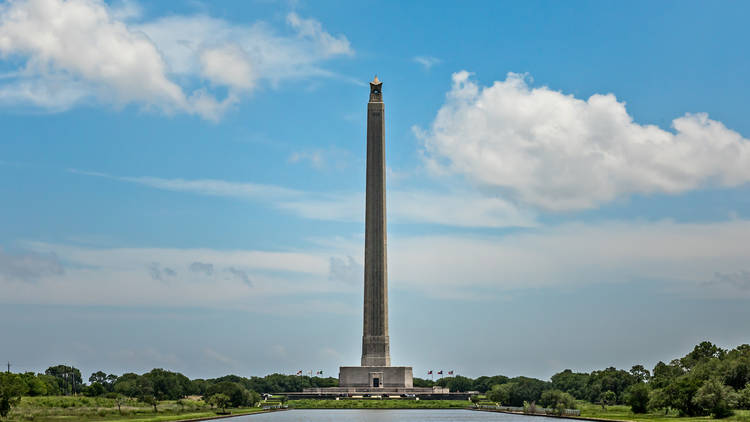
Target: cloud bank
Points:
(82, 50)
(706, 260)
(559, 153)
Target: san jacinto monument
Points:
(376, 370)
(375, 375)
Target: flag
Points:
(429, 372)
(450, 372)
(440, 372)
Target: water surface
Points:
(387, 415)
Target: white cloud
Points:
(427, 61)
(84, 50)
(168, 277)
(680, 255)
(269, 55)
(228, 65)
(701, 259)
(325, 44)
(556, 152)
(451, 208)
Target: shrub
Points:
(637, 396)
(716, 398)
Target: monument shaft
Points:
(375, 340)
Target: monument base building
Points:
(376, 377)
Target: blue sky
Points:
(182, 183)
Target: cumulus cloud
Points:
(187, 41)
(84, 50)
(28, 266)
(556, 152)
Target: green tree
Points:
(423, 383)
(119, 400)
(500, 393)
(637, 396)
(484, 383)
(571, 382)
(94, 390)
(610, 379)
(12, 388)
(34, 385)
(474, 400)
(737, 370)
(743, 397)
(151, 400)
(457, 383)
(68, 378)
(238, 395)
(640, 373)
(702, 352)
(715, 398)
(679, 395)
(658, 399)
(52, 387)
(555, 399)
(607, 398)
(664, 374)
(127, 385)
(106, 380)
(168, 385)
(146, 392)
(220, 400)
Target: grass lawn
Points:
(624, 413)
(64, 409)
(365, 403)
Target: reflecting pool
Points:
(386, 415)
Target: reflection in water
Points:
(383, 415)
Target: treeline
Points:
(151, 387)
(165, 385)
(707, 381)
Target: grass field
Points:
(58, 409)
(624, 413)
(65, 409)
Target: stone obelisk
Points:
(375, 341)
(376, 373)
